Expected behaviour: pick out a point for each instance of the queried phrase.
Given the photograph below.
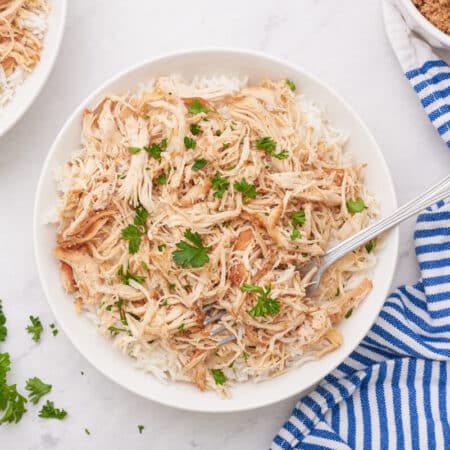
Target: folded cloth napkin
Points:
(393, 391)
(428, 74)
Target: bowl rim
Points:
(425, 23)
(92, 96)
(49, 69)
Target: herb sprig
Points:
(194, 255)
(265, 304)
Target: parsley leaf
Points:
(49, 411)
(265, 305)
(195, 129)
(87, 431)
(371, 245)
(282, 155)
(122, 315)
(248, 190)
(163, 144)
(126, 277)
(298, 218)
(3, 329)
(181, 328)
(134, 150)
(219, 185)
(194, 255)
(161, 247)
(132, 234)
(291, 85)
(295, 234)
(140, 428)
(35, 328)
(245, 355)
(356, 206)
(199, 164)
(219, 376)
(141, 216)
(225, 145)
(144, 265)
(162, 179)
(267, 144)
(196, 107)
(37, 389)
(189, 142)
(154, 151)
(348, 313)
(115, 330)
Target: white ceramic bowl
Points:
(97, 349)
(421, 25)
(34, 82)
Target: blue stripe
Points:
(397, 403)
(426, 386)
(336, 419)
(294, 430)
(282, 443)
(444, 128)
(366, 412)
(439, 112)
(439, 297)
(430, 248)
(313, 406)
(437, 280)
(414, 418)
(303, 418)
(440, 313)
(443, 400)
(434, 216)
(327, 395)
(351, 431)
(435, 79)
(443, 231)
(393, 340)
(425, 68)
(362, 358)
(434, 264)
(381, 399)
(435, 96)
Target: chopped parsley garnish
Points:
(171, 287)
(126, 277)
(11, 401)
(122, 315)
(225, 145)
(218, 133)
(194, 255)
(140, 428)
(195, 129)
(227, 223)
(134, 150)
(53, 328)
(219, 376)
(181, 328)
(115, 330)
(371, 245)
(164, 303)
(199, 164)
(154, 151)
(282, 155)
(348, 313)
(245, 355)
(356, 206)
(161, 247)
(163, 144)
(248, 190)
(265, 305)
(189, 142)
(267, 144)
(295, 234)
(291, 85)
(49, 411)
(37, 389)
(35, 328)
(233, 126)
(87, 431)
(298, 218)
(338, 292)
(144, 265)
(3, 329)
(219, 185)
(132, 233)
(196, 108)
(162, 179)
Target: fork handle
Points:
(437, 192)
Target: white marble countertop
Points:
(341, 42)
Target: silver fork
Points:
(438, 192)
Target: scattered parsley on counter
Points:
(219, 376)
(140, 428)
(356, 206)
(265, 305)
(194, 255)
(54, 330)
(87, 431)
(49, 411)
(37, 389)
(35, 328)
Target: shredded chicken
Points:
(157, 315)
(22, 28)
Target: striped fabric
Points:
(432, 83)
(393, 391)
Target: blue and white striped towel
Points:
(393, 391)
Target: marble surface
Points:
(341, 42)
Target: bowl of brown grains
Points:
(430, 19)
